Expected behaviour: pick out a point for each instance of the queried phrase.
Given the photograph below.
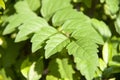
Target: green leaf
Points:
(102, 1)
(2, 4)
(53, 73)
(110, 71)
(77, 1)
(25, 67)
(51, 77)
(88, 3)
(102, 64)
(30, 26)
(36, 70)
(3, 75)
(55, 44)
(102, 28)
(11, 52)
(111, 6)
(65, 69)
(49, 7)
(34, 4)
(40, 36)
(84, 52)
(117, 24)
(74, 24)
(89, 32)
(15, 21)
(58, 20)
(82, 29)
(107, 52)
(60, 69)
(22, 7)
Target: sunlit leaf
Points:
(84, 52)
(102, 28)
(29, 27)
(102, 64)
(55, 44)
(3, 75)
(49, 7)
(107, 52)
(40, 36)
(117, 24)
(112, 6)
(65, 69)
(25, 67)
(36, 70)
(2, 4)
(34, 4)
(58, 20)
(15, 21)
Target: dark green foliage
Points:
(60, 40)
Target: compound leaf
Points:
(49, 7)
(55, 44)
(34, 4)
(80, 29)
(29, 27)
(15, 21)
(89, 32)
(74, 24)
(84, 52)
(40, 36)
(22, 7)
(58, 20)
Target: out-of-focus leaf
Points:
(34, 4)
(98, 74)
(3, 75)
(110, 71)
(65, 69)
(11, 52)
(52, 70)
(2, 4)
(22, 7)
(36, 70)
(51, 77)
(49, 7)
(117, 24)
(111, 8)
(102, 64)
(25, 67)
(88, 3)
(102, 1)
(113, 63)
(102, 28)
(106, 53)
(60, 69)
(77, 1)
